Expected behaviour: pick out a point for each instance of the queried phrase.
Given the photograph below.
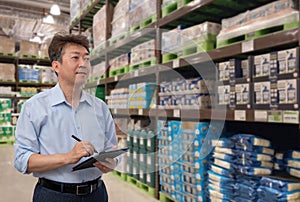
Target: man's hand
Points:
(107, 166)
(81, 149)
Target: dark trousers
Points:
(42, 194)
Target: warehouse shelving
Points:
(270, 123)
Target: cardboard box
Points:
(29, 48)
(7, 45)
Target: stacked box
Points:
(118, 98)
(141, 10)
(6, 129)
(120, 22)
(261, 65)
(143, 52)
(100, 29)
(261, 94)
(28, 73)
(7, 72)
(116, 63)
(288, 96)
(288, 61)
(171, 41)
(43, 53)
(47, 74)
(202, 35)
(29, 48)
(8, 45)
(224, 95)
(141, 95)
(97, 71)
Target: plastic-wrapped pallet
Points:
(120, 22)
(7, 45)
(7, 72)
(100, 29)
(28, 48)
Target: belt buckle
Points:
(78, 187)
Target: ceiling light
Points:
(49, 19)
(55, 10)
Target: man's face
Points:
(75, 66)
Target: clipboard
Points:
(88, 163)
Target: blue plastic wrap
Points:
(252, 163)
(295, 154)
(222, 156)
(254, 171)
(251, 140)
(270, 194)
(221, 171)
(223, 142)
(254, 156)
(280, 184)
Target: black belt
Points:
(78, 189)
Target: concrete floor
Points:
(15, 187)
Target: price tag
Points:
(247, 46)
(140, 112)
(260, 115)
(116, 78)
(136, 73)
(176, 113)
(291, 117)
(275, 116)
(176, 63)
(240, 115)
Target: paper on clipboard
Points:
(99, 157)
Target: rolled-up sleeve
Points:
(26, 142)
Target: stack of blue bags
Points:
(221, 177)
(273, 189)
(292, 163)
(254, 157)
(279, 164)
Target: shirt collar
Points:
(58, 97)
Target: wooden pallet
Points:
(143, 23)
(142, 186)
(120, 175)
(118, 71)
(257, 34)
(8, 54)
(163, 197)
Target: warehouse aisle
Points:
(16, 187)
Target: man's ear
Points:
(55, 66)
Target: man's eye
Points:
(75, 57)
(87, 59)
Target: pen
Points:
(79, 140)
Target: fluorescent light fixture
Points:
(49, 19)
(55, 10)
(36, 39)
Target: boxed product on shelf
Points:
(28, 49)
(288, 61)
(100, 28)
(7, 72)
(5, 104)
(6, 90)
(224, 95)
(246, 69)
(223, 68)
(261, 93)
(8, 45)
(288, 93)
(243, 95)
(171, 41)
(258, 22)
(261, 65)
(118, 98)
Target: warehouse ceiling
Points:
(22, 19)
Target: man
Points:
(44, 145)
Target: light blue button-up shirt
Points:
(45, 126)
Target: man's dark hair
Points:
(60, 40)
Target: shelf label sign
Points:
(260, 115)
(140, 112)
(240, 115)
(275, 116)
(291, 117)
(247, 46)
(176, 63)
(176, 113)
